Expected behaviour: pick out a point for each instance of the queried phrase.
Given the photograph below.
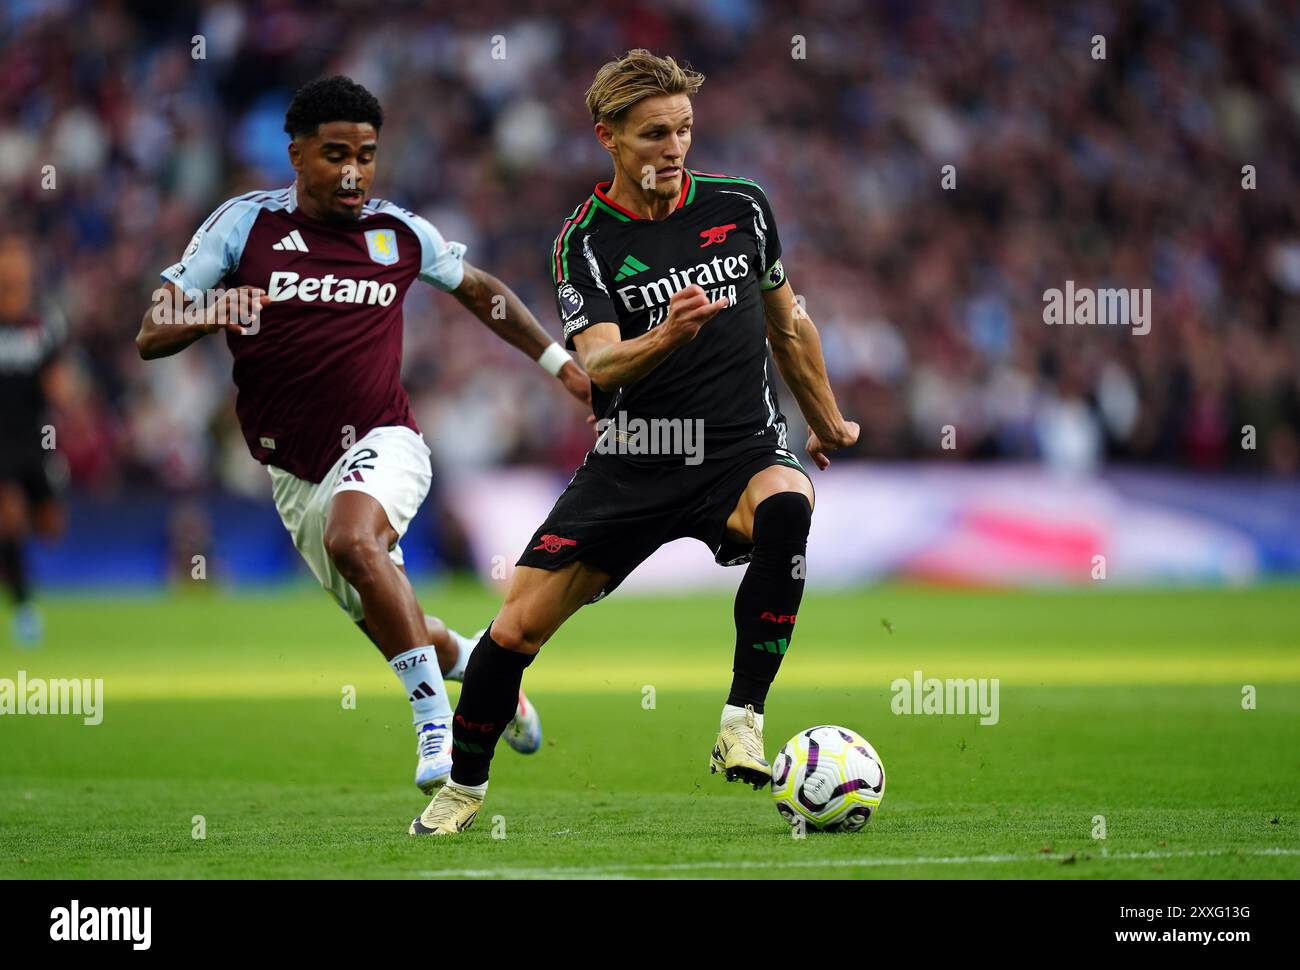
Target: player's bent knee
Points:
(435, 630)
(782, 518)
(509, 634)
(351, 552)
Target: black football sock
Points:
(769, 595)
(13, 565)
(488, 700)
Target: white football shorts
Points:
(390, 464)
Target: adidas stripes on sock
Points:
(418, 671)
(769, 595)
(488, 701)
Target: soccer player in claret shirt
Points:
(670, 286)
(314, 279)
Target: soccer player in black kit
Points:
(670, 287)
(32, 377)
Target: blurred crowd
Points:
(1172, 162)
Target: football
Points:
(830, 778)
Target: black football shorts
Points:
(42, 477)
(615, 513)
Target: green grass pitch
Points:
(1120, 704)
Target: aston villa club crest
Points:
(382, 244)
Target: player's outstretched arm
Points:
(797, 350)
(171, 324)
(614, 363)
(496, 305)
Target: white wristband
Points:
(553, 359)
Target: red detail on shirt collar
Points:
(603, 186)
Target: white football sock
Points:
(478, 791)
(422, 680)
(732, 713)
(457, 672)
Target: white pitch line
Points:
(622, 871)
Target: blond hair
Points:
(636, 75)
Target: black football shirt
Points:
(611, 266)
(28, 348)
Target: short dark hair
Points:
(327, 99)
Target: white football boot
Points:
(28, 627)
(738, 752)
(524, 732)
(451, 812)
(433, 747)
